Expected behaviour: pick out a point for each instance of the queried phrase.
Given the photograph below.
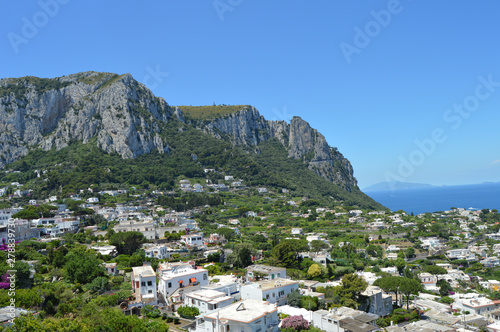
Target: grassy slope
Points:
(210, 112)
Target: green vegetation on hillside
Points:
(80, 166)
(210, 112)
(19, 86)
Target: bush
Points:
(295, 322)
(188, 312)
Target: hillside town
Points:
(261, 259)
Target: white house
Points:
(161, 251)
(186, 278)
(474, 303)
(460, 254)
(193, 240)
(207, 300)
(246, 316)
(344, 319)
(273, 291)
(378, 303)
(92, 200)
(267, 272)
(110, 268)
(144, 284)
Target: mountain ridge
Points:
(122, 116)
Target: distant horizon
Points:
(431, 185)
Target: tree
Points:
(242, 255)
(228, 233)
(374, 251)
(137, 259)
(410, 252)
(400, 265)
(314, 271)
(389, 285)
(286, 252)
(22, 274)
(351, 287)
(83, 266)
(99, 285)
(127, 242)
(309, 303)
(293, 298)
(434, 269)
(444, 287)
(408, 287)
(317, 245)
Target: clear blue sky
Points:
(372, 94)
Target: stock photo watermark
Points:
(371, 29)
(223, 6)
(281, 115)
(155, 77)
(11, 262)
(453, 116)
(32, 25)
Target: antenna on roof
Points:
(241, 307)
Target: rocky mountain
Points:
(248, 128)
(121, 115)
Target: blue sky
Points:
(374, 77)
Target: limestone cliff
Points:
(121, 115)
(248, 127)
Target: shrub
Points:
(295, 322)
(188, 312)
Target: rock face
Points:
(248, 127)
(123, 116)
(120, 113)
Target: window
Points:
(143, 283)
(279, 274)
(150, 291)
(205, 277)
(267, 296)
(150, 283)
(169, 285)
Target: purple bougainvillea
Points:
(4, 283)
(295, 322)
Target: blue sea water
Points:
(432, 199)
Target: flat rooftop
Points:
(264, 268)
(144, 271)
(245, 311)
(269, 284)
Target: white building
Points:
(378, 303)
(460, 254)
(246, 316)
(160, 251)
(207, 300)
(273, 291)
(267, 272)
(144, 284)
(344, 319)
(92, 200)
(184, 277)
(193, 240)
(110, 268)
(474, 303)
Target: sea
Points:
(442, 198)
